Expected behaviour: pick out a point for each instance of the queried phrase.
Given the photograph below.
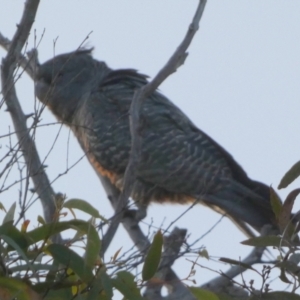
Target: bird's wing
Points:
(176, 156)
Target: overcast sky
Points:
(240, 84)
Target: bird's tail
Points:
(244, 205)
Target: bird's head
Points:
(66, 80)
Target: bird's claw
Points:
(136, 214)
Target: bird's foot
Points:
(136, 214)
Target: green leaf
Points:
(2, 207)
(153, 257)
(44, 232)
(10, 215)
(223, 296)
(8, 229)
(107, 284)
(41, 220)
(52, 274)
(16, 247)
(101, 283)
(290, 175)
(284, 218)
(204, 253)
(95, 289)
(14, 289)
(283, 276)
(114, 258)
(93, 242)
(276, 296)
(93, 246)
(61, 294)
(203, 294)
(275, 202)
(37, 267)
(71, 260)
(236, 262)
(125, 284)
(266, 241)
(295, 258)
(289, 266)
(83, 206)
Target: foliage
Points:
(33, 267)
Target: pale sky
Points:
(240, 84)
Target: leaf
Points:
(285, 214)
(93, 246)
(14, 289)
(266, 241)
(125, 284)
(37, 267)
(290, 175)
(25, 226)
(10, 215)
(223, 296)
(41, 220)
(95, 289)
(204, 253)
(275, 203)
(52, 274)
(101, 283)
(153, 257)
(16, 247)
(236, 262)
(93, 242)
(61, 294)
(203, 294)
(289, 266)
(283, 276)
(107, 284)
(83, 206)
(71, 260)
(276, 296)
(8, 229)
(116, 255)
(44, 232)
(295, 258)
(2, 207)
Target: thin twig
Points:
(141, 242)
(225, 279)
(176, 60)
(25, 64)
(9, 63)
(172, 245)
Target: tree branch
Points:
(224, 283)
(27, 145)
(42, 184)
(176, 60)
(26, 64)
(141, 242)
(172, 245)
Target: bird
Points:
(178, 163)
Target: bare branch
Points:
(224, 283)
(27, 65)
(9, 63)
(141, 242)
(176, 60)
(172, 245)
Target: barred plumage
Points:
(179, 163)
